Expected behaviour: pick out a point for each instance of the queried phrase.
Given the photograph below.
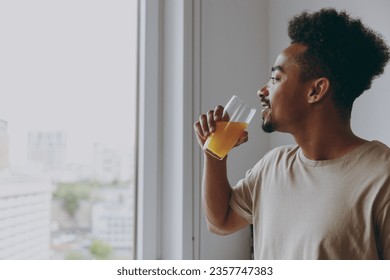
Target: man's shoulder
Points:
(274, 156)
(380, 146)
(378, 154)
(277, 155)
(281, 151)
(378, 150)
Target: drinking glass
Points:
(235, 119)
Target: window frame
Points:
(168, 218)
(148, 135)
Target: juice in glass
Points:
(224, 138)
(235, 119)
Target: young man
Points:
(328, 197)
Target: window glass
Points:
(67, 129)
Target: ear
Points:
(319, 90)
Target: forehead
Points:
(288, 58)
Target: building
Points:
(113, 220)
(25, 204)
(107, 164)
(48, 148)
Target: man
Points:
(328, 197)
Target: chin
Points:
(268, 126)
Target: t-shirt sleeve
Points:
(384, 231)
(242, 196)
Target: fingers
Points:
(199, 134)
(207, 122)
(199, 127)
(225, 117)
(243, 139)
(206, 125)
(218, 113)
(211, 126)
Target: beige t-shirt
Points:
(305, 209)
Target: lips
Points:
(266, 105)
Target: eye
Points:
(274, 79)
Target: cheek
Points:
(271, 96)
(275, 96)
(281, 103)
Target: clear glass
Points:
(235, 119)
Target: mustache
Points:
(265, 102)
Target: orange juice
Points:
(224, 138)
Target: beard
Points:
(267, 125)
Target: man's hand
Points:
(206, 125)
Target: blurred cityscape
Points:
(54, 209)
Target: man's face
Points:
(284, 97)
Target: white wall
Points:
(370, 114)
(233, 61)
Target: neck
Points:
(327, 139)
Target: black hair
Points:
(341, 49)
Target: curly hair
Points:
(340, 48)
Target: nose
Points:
(263, 91)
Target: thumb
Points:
(243, 138)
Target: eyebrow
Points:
(277, 67)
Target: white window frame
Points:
(168, 166)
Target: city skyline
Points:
(67, 89)
(73, 76)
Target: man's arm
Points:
(221, 218)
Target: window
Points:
(67, 129)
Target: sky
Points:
(68, 66)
